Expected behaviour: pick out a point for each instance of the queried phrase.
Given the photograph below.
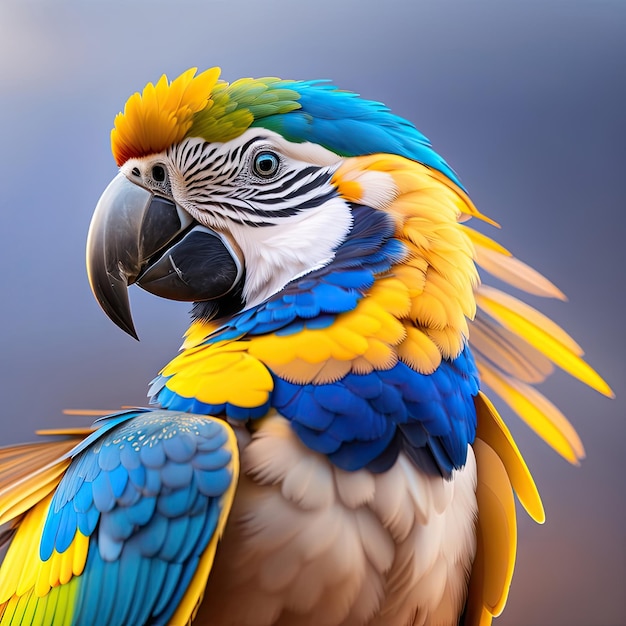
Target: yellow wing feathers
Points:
(29, 474)
(24, 571)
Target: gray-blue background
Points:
(526, 100)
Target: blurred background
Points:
(527, 101)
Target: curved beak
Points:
(137, 237)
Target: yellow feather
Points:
(40, 611)
(22, 607)
(540, 332)
(161, 115)
(482, 241)
(51, 607)
(54, 570)
(346, 342)
(80, 547)
(302, 372)
(449, 341)
(517, 274)
(351, 190)
(21, 564)
(497, 300)
(197, 333)
(419, 351)
(233, 377)
(537, 411)
(429, 311)
(65, 570)
(441, 289)
(29, 611)
(497, 529)
(392, 295)
(204, 355)
(414, 278)
(25, 493)
(310, 346)
(465, 203)
(21, 462)
(72, 561)
(380, 355)
(493, 431)
(391, 330)
(493, 343)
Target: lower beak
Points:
(136, 236)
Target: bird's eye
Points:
(265, 164)
(158, 173)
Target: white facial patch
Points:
(275, 198)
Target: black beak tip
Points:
(111, 293)
(129, 329)
(121, 317)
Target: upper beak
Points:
(136, 236)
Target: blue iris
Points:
(265, 164)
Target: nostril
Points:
(136, 172)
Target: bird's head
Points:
(227, 192)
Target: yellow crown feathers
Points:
(162, 114)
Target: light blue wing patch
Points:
(149, 492)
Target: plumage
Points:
(321, 450)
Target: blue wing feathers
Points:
(211, 460)
(152, 456)
(118, 478)
(207, 530)
(212, 482)
(142, 510)
(148, 494)
(176, 475)
(108, 458)
(179, 449)
(68, 520)
(83, 499)
(168, 587)
(102, 493)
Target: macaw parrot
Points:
(321, 451)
